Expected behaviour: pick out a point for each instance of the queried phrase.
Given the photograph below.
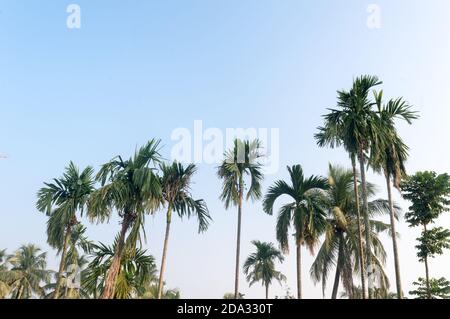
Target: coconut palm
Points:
(240, 161)
(61, 200)
(353, 125)
(5, 275)
(260, 266)
(341, 245)
(305, 212)
(175, 183)
(151, 292)
(389, 155)
(136, 270)
(28, 265)
(131, 188)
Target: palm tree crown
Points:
(260, 266)
(306, 212)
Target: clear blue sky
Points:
(139, 69)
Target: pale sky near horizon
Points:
(138, 70)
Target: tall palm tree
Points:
(132, 189)
(175, 182)
(29, 266)
(61, 200)
(240, 161)
(305, 212)
(389, 155)
(332, 134)
(341, 245)
(260, 266)
(353, 124)
(136, 271)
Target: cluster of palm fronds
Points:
(336, 214)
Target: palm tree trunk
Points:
(337, 276)
(360, 241)
(238, 244)
(267, 291)
(62, 263)
(299, 270)
(427, 272)
(113, 272)
(19, 291)
(394, 238)
(366, 216)
(164, 256)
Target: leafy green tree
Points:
(29, 268)
(260, 266)
(136, 271)
(389, 155)
(432, 243)
(175, 182)
(61, 200)
(429, 195)
(132, 189)
(340, 248)
(240, 161)
(305, 212)
(431, 289)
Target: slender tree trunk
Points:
(360, 240)
(299, 270)
(337, 276)
(164, 256)
(113, 272)
(19, 291)
(267, 291)
(366, 217)
(427, 272)
(62, 263)
(238, 244)
(394, 238)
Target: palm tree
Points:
(78, 245)
(5, 275)
(136, 270)
(240, 161)
(151, 292)
(132, 189)
(353, 125)
(260, 266)
(305, 212)
(175, 183)
(72, 289)
(341, 245)
(389, 155)
(61, 200)
(377, 293)
(28, 264)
